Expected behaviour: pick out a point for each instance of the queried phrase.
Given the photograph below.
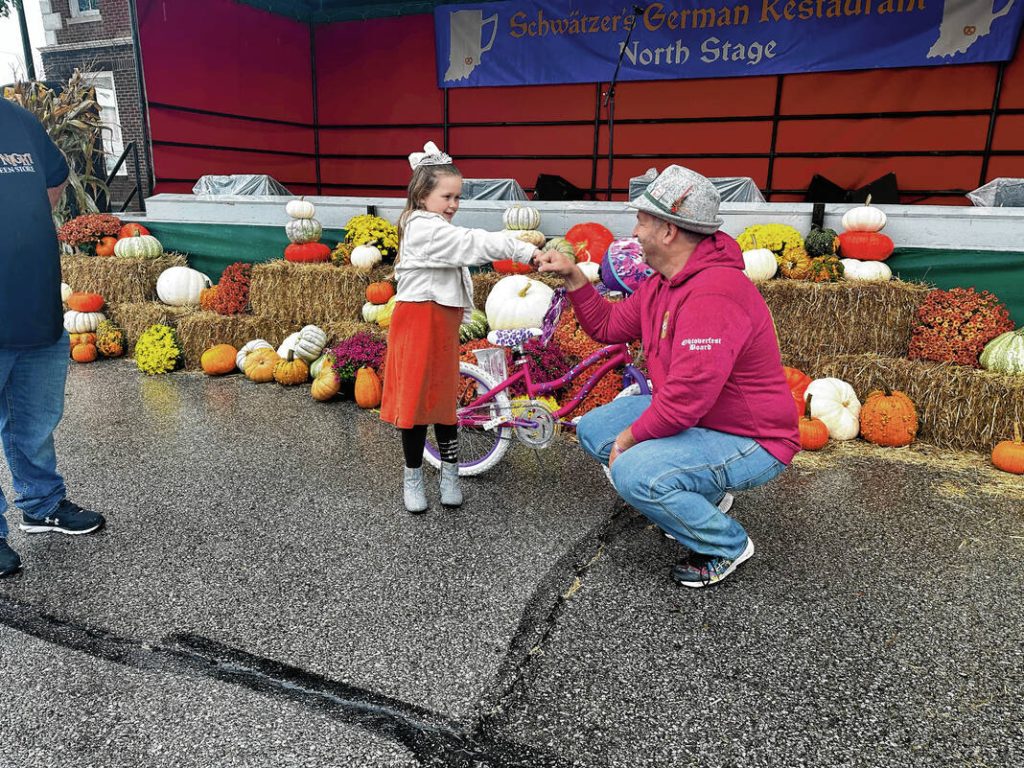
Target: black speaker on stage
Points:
(549, 187)
(882, 190)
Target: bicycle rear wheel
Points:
(479, 448)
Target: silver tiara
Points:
(430, 155)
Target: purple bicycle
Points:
(488, 419)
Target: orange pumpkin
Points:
(379, 292)
(368, 388)
(131, 230)
(260, 364)
(510, 267)
(798, 382)
(218, 360)
(85, 302)
(813, 432)
(865, 246)
(82, 338)
(83, 353)
(326, 385)
(105, 247)
(1009, 454)
(591, 241)
(888, 418)
(291, 371)
(307, 253)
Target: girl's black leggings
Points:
(414, 438)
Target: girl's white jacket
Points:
(434, 257)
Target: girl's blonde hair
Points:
(424, 179)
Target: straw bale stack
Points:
(958, 407)
(135, 317)
(310, 293)
(844, 318)
(201, 330)
(117, 279)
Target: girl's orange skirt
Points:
(421, 372)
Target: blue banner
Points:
(533, 42)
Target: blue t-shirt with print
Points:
(30, 304)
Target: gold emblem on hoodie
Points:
(664, 325)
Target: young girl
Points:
(421, 373)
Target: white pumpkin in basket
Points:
(517, 301)
(854, 269)
(180, 286)
(836, 404)
(250, 346)
(759, 264)
(82, 322)
(307, 343)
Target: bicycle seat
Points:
(513, 337)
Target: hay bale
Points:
(201, 330)
(958, 407)
(118, 280)
(816, 320)
(310, 293)
(135, 317)
(483, 282)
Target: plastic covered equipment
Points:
(492, 189)
(732, 189)
(1003, 192)
(248, 184)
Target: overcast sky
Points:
(11, 59)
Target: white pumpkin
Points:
(591, 270)
(82, 322)
(180, 286)
(521, 217)
(303, 230)
(300, 209)
(139, 247)
(836, 404)
(307, 343)
(759, 264)
(865, 270)
(517, 301)
(864, 218)
(365, 257)
(371, 312)
(250, 346)
(65, 291)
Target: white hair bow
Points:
(430, 155)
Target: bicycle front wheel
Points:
(480, 448)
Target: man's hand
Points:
(623, 443)
(564, 267)
(54, 194)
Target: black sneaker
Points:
(10, 563)
(68, 518)
(703, 571)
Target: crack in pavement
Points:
(433, 738)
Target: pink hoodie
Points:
(711, 349)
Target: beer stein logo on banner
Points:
(963, 22)
(466, 42)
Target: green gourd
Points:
(1005, 353)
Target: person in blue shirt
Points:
(33, 343)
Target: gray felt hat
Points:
(683, 197)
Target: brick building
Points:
(96, 36)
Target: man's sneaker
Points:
(68, 517)
(703, 570)
(10, 563)
(724, 505)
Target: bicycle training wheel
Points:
(479, 448)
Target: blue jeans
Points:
(31, 405)
(677, 481)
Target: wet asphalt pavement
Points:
(260, 598)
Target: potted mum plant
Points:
(353, 353)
